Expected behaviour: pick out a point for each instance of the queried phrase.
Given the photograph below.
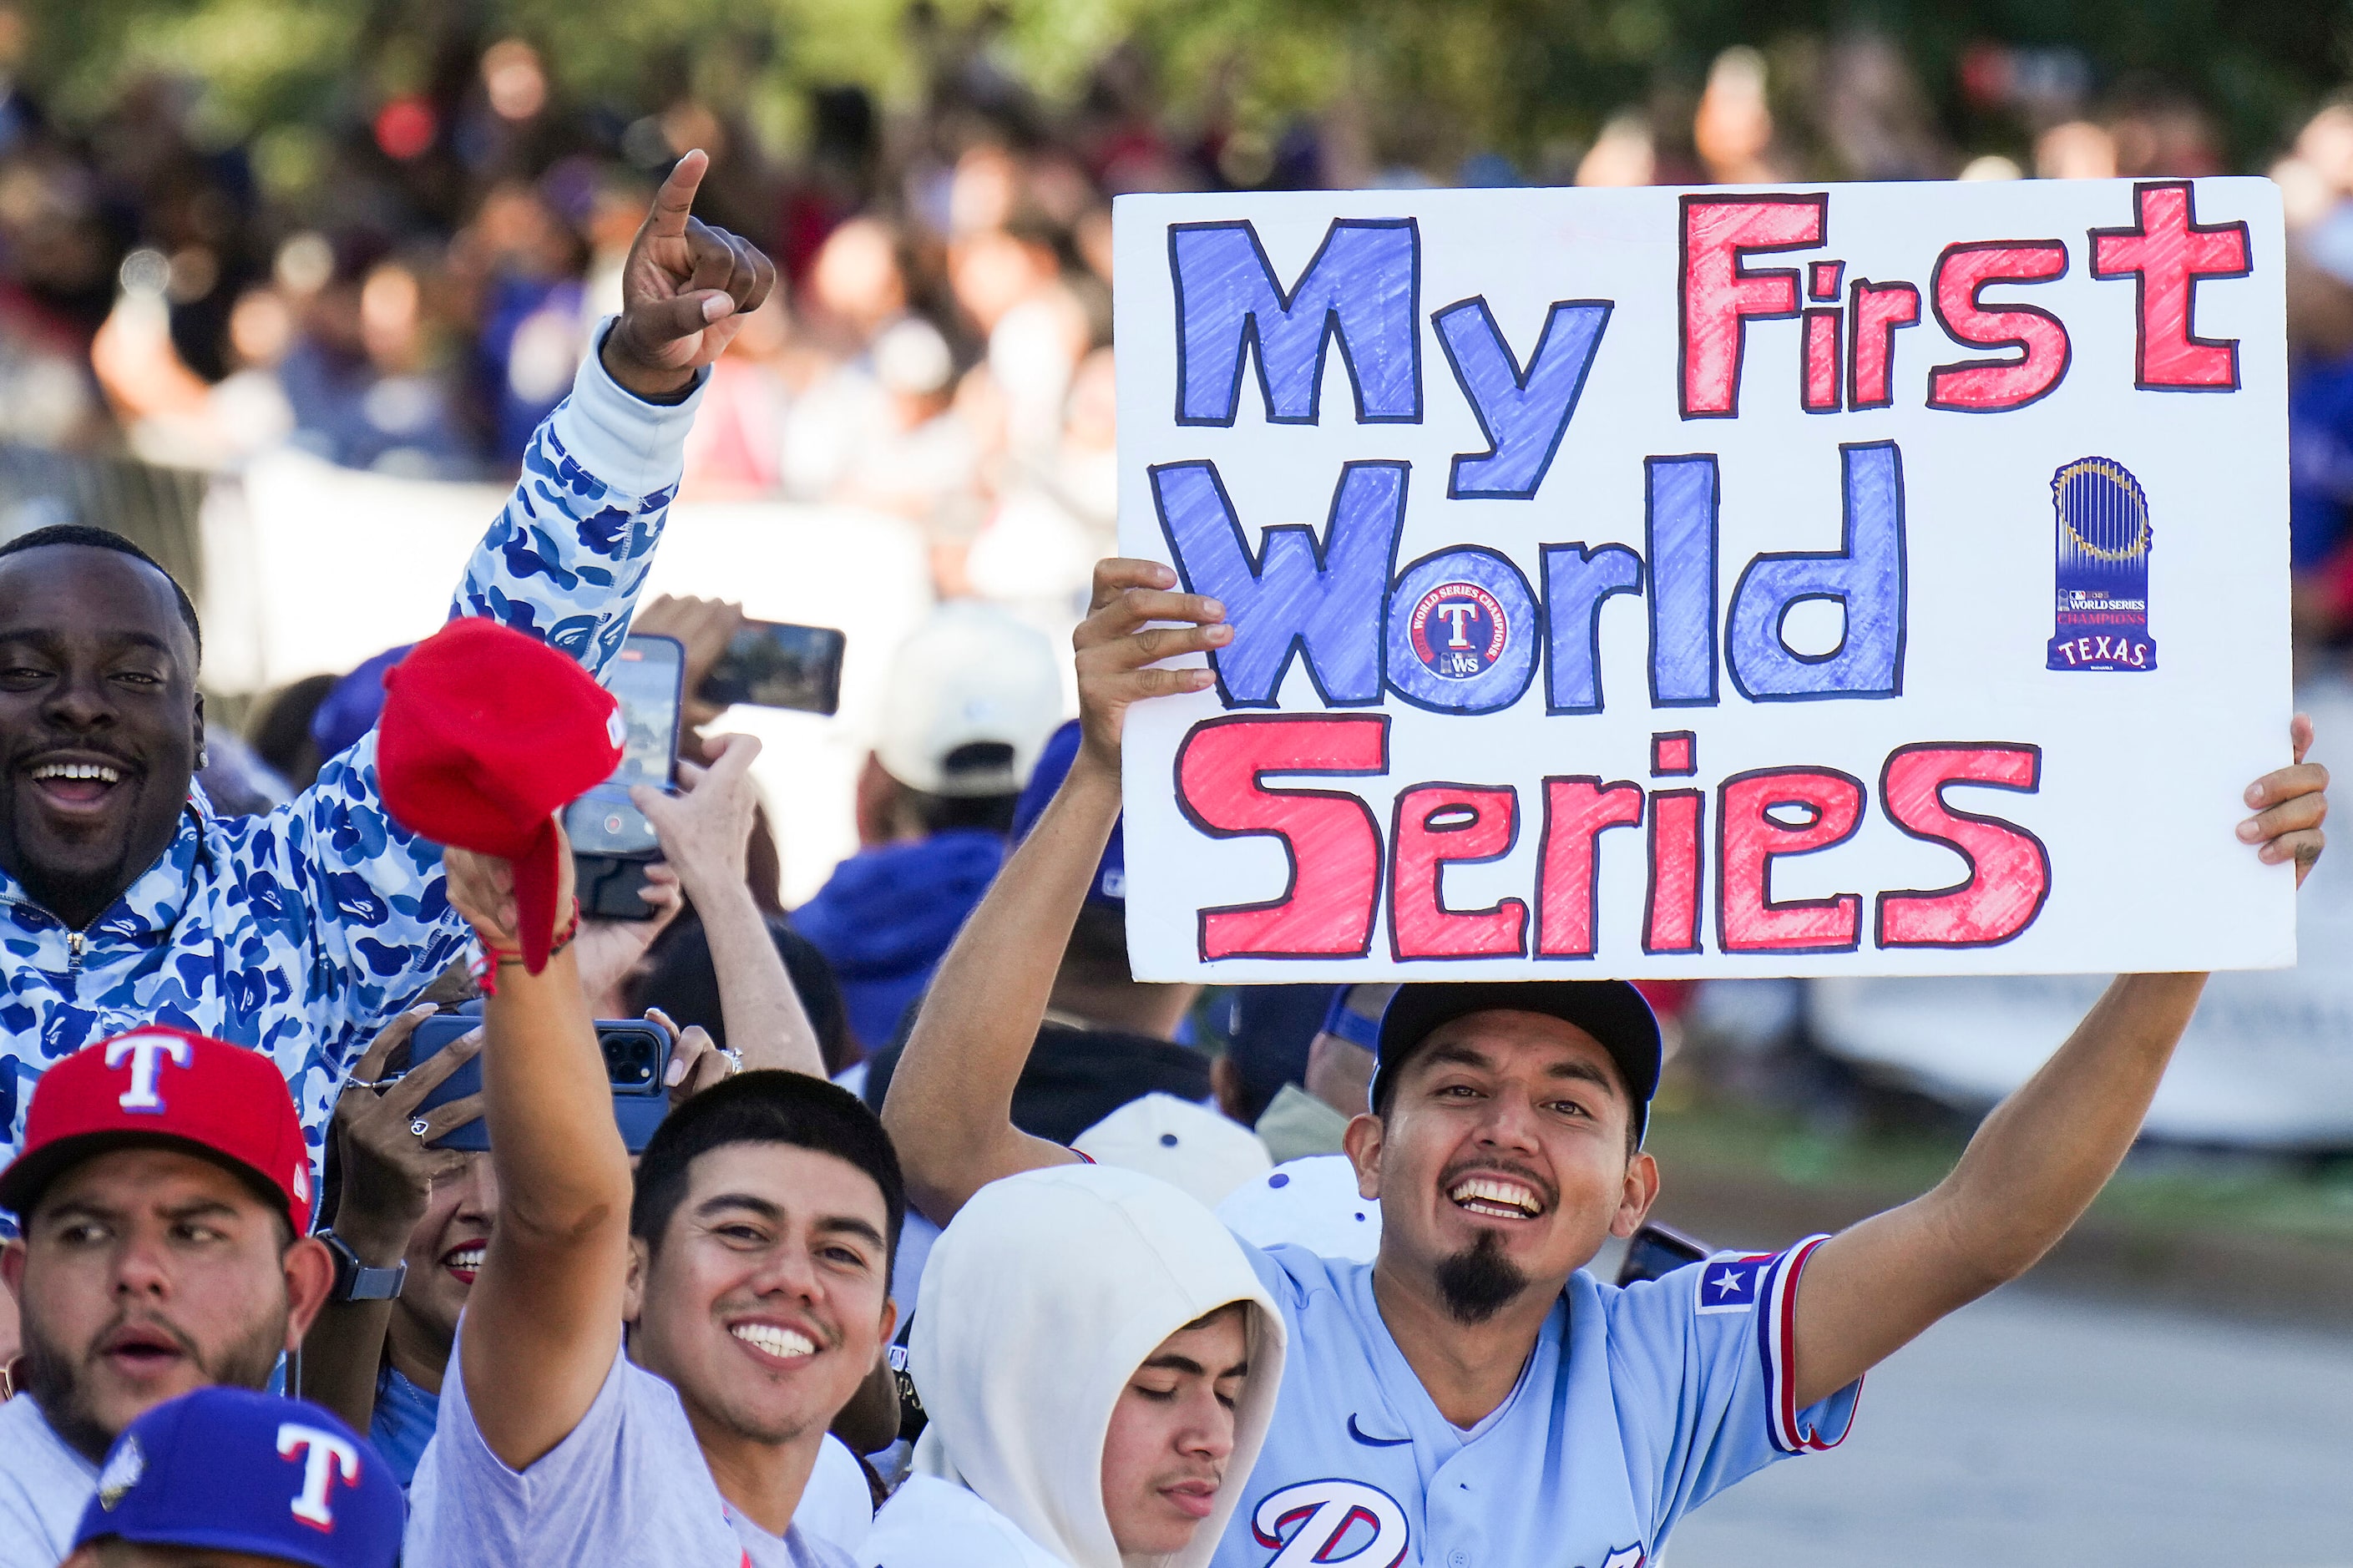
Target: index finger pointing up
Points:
(675, 200)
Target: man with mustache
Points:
(1473, 1396)
(125, 899)
(164, 1195)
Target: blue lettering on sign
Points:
(1523, 414)
(1577, 581)
(1864, 576)
(1679, 524)
(1363, 286)
(1323, 600)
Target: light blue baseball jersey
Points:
(300, 931)
(1635, 1407)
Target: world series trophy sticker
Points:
(2103, 568)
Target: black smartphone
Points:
(775, 664)
(1657, 1250)
(636, 1056)
(644, 679)
(609, 887)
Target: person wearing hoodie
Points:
(971, 698)
(1474, 1395)
(1099, 1363)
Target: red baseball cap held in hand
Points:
(167, 1085)
(487, 733)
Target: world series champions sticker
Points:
(2102, 548)
(1459, 630)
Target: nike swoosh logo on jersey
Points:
(1361, 1435)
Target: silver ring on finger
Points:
(734, 1058)
(420, 1126)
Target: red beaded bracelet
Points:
(485, 969)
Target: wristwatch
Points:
(354, 1281)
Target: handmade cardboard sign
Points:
(1866, 580)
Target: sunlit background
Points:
(285, 284)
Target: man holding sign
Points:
(1473, 1396)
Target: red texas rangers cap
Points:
(162, 1084)
(487, 733)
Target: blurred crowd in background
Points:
(412, 296)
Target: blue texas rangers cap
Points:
(1611, 1011)
(1110, 886)
(227, 1469)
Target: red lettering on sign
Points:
(1752, 832)
(1578, 811)
(1334, 844)
(2009, 870)
(1994, 386)
(1878, 309)
(1439, 825)
(2165, 256)
(1671, 914)
(1720, 297)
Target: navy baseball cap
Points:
(1611, 1011)
(1110, 886)
(227, 1469)
(1269, 1029)
(1348, 1019)
(352, 705)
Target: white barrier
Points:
(2268, 1062)
(309, 567)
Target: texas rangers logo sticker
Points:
(1459, 630)
(2102, 548)
(1331, 1524)
(1728, 1282)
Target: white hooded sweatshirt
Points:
(1037, 1305)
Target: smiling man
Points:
(163, 1193)
(1473, 1396)
(125, 901)
(750, 1259)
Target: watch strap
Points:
(355, 1282)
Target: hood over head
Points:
(1037, 1305)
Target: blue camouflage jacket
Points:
(300, 933)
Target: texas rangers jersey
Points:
(300, 931)
(1635, 1407)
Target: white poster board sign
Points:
(1859, 580)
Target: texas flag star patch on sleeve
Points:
(1729, 1281)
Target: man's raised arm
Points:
(567, 558)
(2040, 1158)
(949, 1111)
(544, 1321)
(564, 561)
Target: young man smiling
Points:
(1473, 1396)
(750, 1262)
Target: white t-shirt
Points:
(44, 1486)
(933, 1523)
(837, 1506)
(628, 1488)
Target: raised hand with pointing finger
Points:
(686, 288)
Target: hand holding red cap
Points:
(487, 733)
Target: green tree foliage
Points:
(1508, 74)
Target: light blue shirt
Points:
(403, 1423)
(1635, 1407)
